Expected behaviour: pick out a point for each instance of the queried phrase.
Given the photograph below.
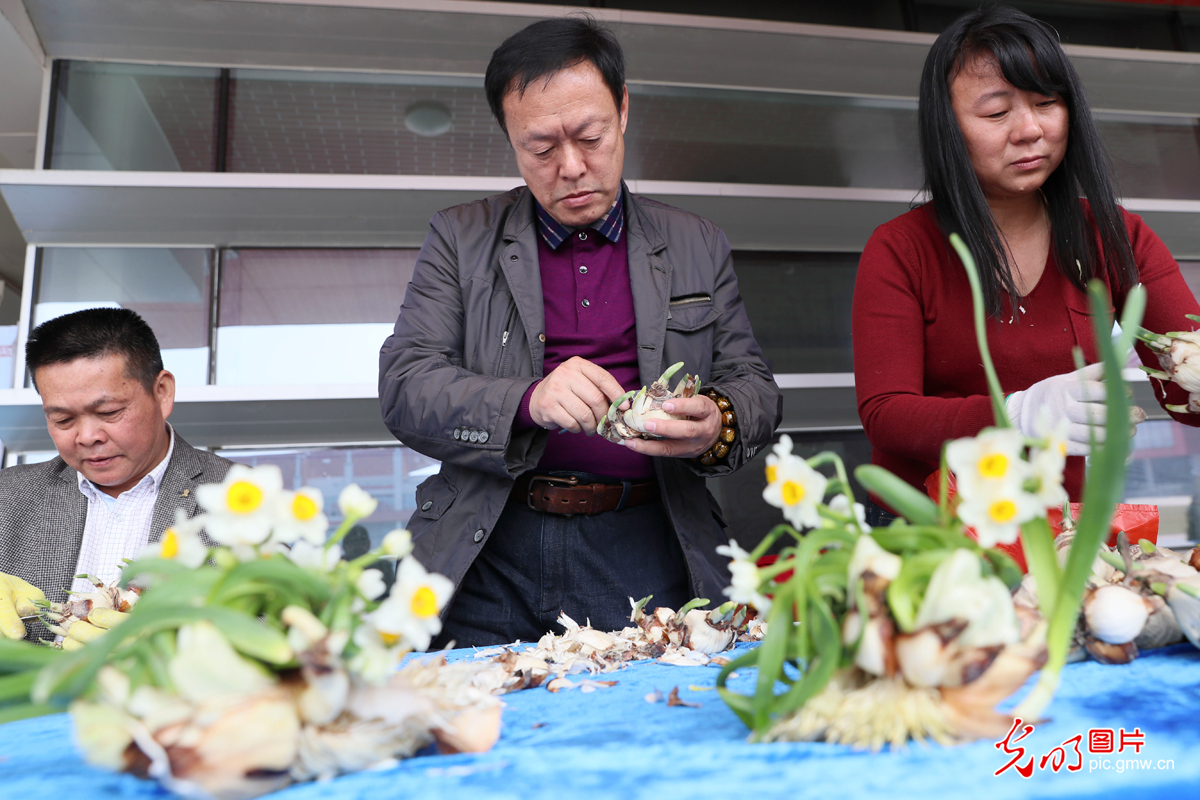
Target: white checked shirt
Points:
(117, 528)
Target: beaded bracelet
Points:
(728, 429)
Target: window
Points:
(168, 287)
(129, 116)
(799, 306)
(294, 317)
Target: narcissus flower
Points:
(299, 515)
(841, 505)
(181, 542)
(316, 557)
(793, 486)
(242, 507)
(398, 543)
(1046, 466)
(997, 515)
(411, 610)
(355, 502)
(746, 580)
(988, 463)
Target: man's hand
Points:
(682, 438)
(17, 599)
(575, 396)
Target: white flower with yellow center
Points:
(989, 462)
(410, 612)
(242, 507)
(745, 578)
(299, 516)
(181, 542)
(997, 516)
(793, 486)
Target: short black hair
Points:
(95, 333)
(1030, 57)
(548, 46)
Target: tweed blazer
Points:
(42, 514)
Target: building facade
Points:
(255, 179)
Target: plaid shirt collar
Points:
(611, 226)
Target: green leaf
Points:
(826, 635)
(915, 506)
(771, 654)
(1037, 540)
(27, 711)
(1004, 567)
(905, 593)
(740, 704)
(279, 571)
(18, 656)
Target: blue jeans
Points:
(878, 516)
(537, 565)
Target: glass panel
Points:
(169, 288)
(799, 306)
(129, 116)
(1154, 156)
(307, 316)
(389, 474)
(728, 136)
(290, 121)
(1165, 471)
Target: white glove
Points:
(1076, 396)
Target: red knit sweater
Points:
(917, 370)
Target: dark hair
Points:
(1030, 58)
(94, 333)
(546, 47)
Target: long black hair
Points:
(1030, 58)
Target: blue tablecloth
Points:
(613, 744)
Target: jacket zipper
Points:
(501, 365)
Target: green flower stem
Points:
(1037, 540)
(989, 369)
(944, 517)
(339, 534)
(769, 572)
(1105, 483)
(820, 459)
(768, 540)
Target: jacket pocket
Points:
(434, 496)
(691, 314)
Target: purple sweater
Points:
(588, 307)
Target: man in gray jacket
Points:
(528, 314)
(121, 472)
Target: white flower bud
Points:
(398, 543)
(356, 503)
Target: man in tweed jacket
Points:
(106, 397)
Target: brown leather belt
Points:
(567, 496)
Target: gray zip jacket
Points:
(470, 341)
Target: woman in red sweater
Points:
(1009, 149)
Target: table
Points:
(611, 743)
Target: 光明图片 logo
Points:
(1069, 755)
